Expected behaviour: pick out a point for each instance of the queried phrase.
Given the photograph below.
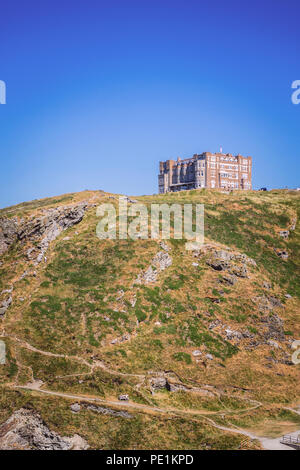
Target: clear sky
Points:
(99, 91)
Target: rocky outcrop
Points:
(4, 305)
(161, 261)
(266, 304)
(8, 233)
(76, 407)
(284, 234)
(25, 430)
(159, 383)
(49, 226)
(41, 230)
(108, 411)
(283, 254)
(275, 327)
(236, 264)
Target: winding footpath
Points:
(35, 386)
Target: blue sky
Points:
(99, 91)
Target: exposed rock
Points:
(125, 337)
(77, 442)
(25, 430)
(288, 296)
(127, 199)
(272, 343)
(222, 259)
(42, 229)
(8, 233)
(75, 407)
(161, 261)
(275, 327)
(275, 302)
(164, 246)
(159, 383)
(229, 279)
(266, 304)
(214, 324)
(195, 264)
(4, 305)
(282, 254)
(7, 291)
(209, 356)
(175, 387)
(266, 285)
(108, 411)
(150, 275)
(284, 234)
(2, 311)
(178, 388)
(219, 263)
(123, 397)
(233, 334)
(240, 271)
(226, 260)
(196, 353)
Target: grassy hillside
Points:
(204, 345)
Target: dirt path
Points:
(94, 365)
(267, 443)
(35, 387)
(270, 444)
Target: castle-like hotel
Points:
(206, 170)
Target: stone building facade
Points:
(206, 170)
